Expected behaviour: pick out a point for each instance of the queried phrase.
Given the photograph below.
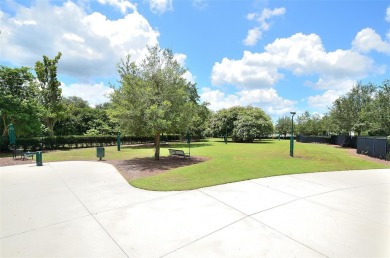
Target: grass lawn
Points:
(230, 162)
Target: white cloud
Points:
(255, 33)
(300, 54)
(181, 59)
(267, 99)
(91, 44)
(160, 6)
(387, 18)
(253, 36)
(122, 5)
(93, 93)
(340, 85)
(367, 40)
(252, 71)
(324, 101)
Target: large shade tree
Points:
(153, 97)
(244, 124)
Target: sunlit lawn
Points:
(239, 161)
(229, 162)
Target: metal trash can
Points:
(38, 158)
(100, 152)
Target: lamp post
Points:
(292, 135)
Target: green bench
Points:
(180, 153)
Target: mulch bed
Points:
(143, 167)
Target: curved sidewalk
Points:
(80, 209)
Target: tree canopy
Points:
(153, 96)
(18, 101)
(51, 93)
(244, 124)
(283, 125)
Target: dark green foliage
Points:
(308, 124)
(78, 141)
(81, 119)
(283, 125)
(51, 93)
(153, 97)
(18, 101)
(244, 124)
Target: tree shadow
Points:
(143, 167)
(170, 145)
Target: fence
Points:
(313, 139)
(344, 141)
(377, 147)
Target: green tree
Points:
(18, 101)
(251, 123)
(377, 112)
(50, 95)
(308, 124)
(222, 122)
(200, 121)
(349, 111)
(242, 123)
(80, 118)
(283, 125)
(154, 97)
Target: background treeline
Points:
(80, 141)
(364, 110)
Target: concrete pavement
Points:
(86, 209)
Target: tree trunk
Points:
(5, 131)
(157, 145)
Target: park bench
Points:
(28, 154)
(16, 152)
(180, 153)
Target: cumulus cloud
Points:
(267, 99)
(325, 100)
(181, 59)
(367, 40)
(93, 93)
(91, 44)
(122, 5)
(262, 19)
(160, 6)
(301, 55)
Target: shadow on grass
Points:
(171, 145)
(144, 167)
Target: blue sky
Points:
(282, 56)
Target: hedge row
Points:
(76, 141)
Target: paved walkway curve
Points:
(86, 209)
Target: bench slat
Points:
(181, 153)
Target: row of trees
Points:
(36, 107)
(365, 109)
